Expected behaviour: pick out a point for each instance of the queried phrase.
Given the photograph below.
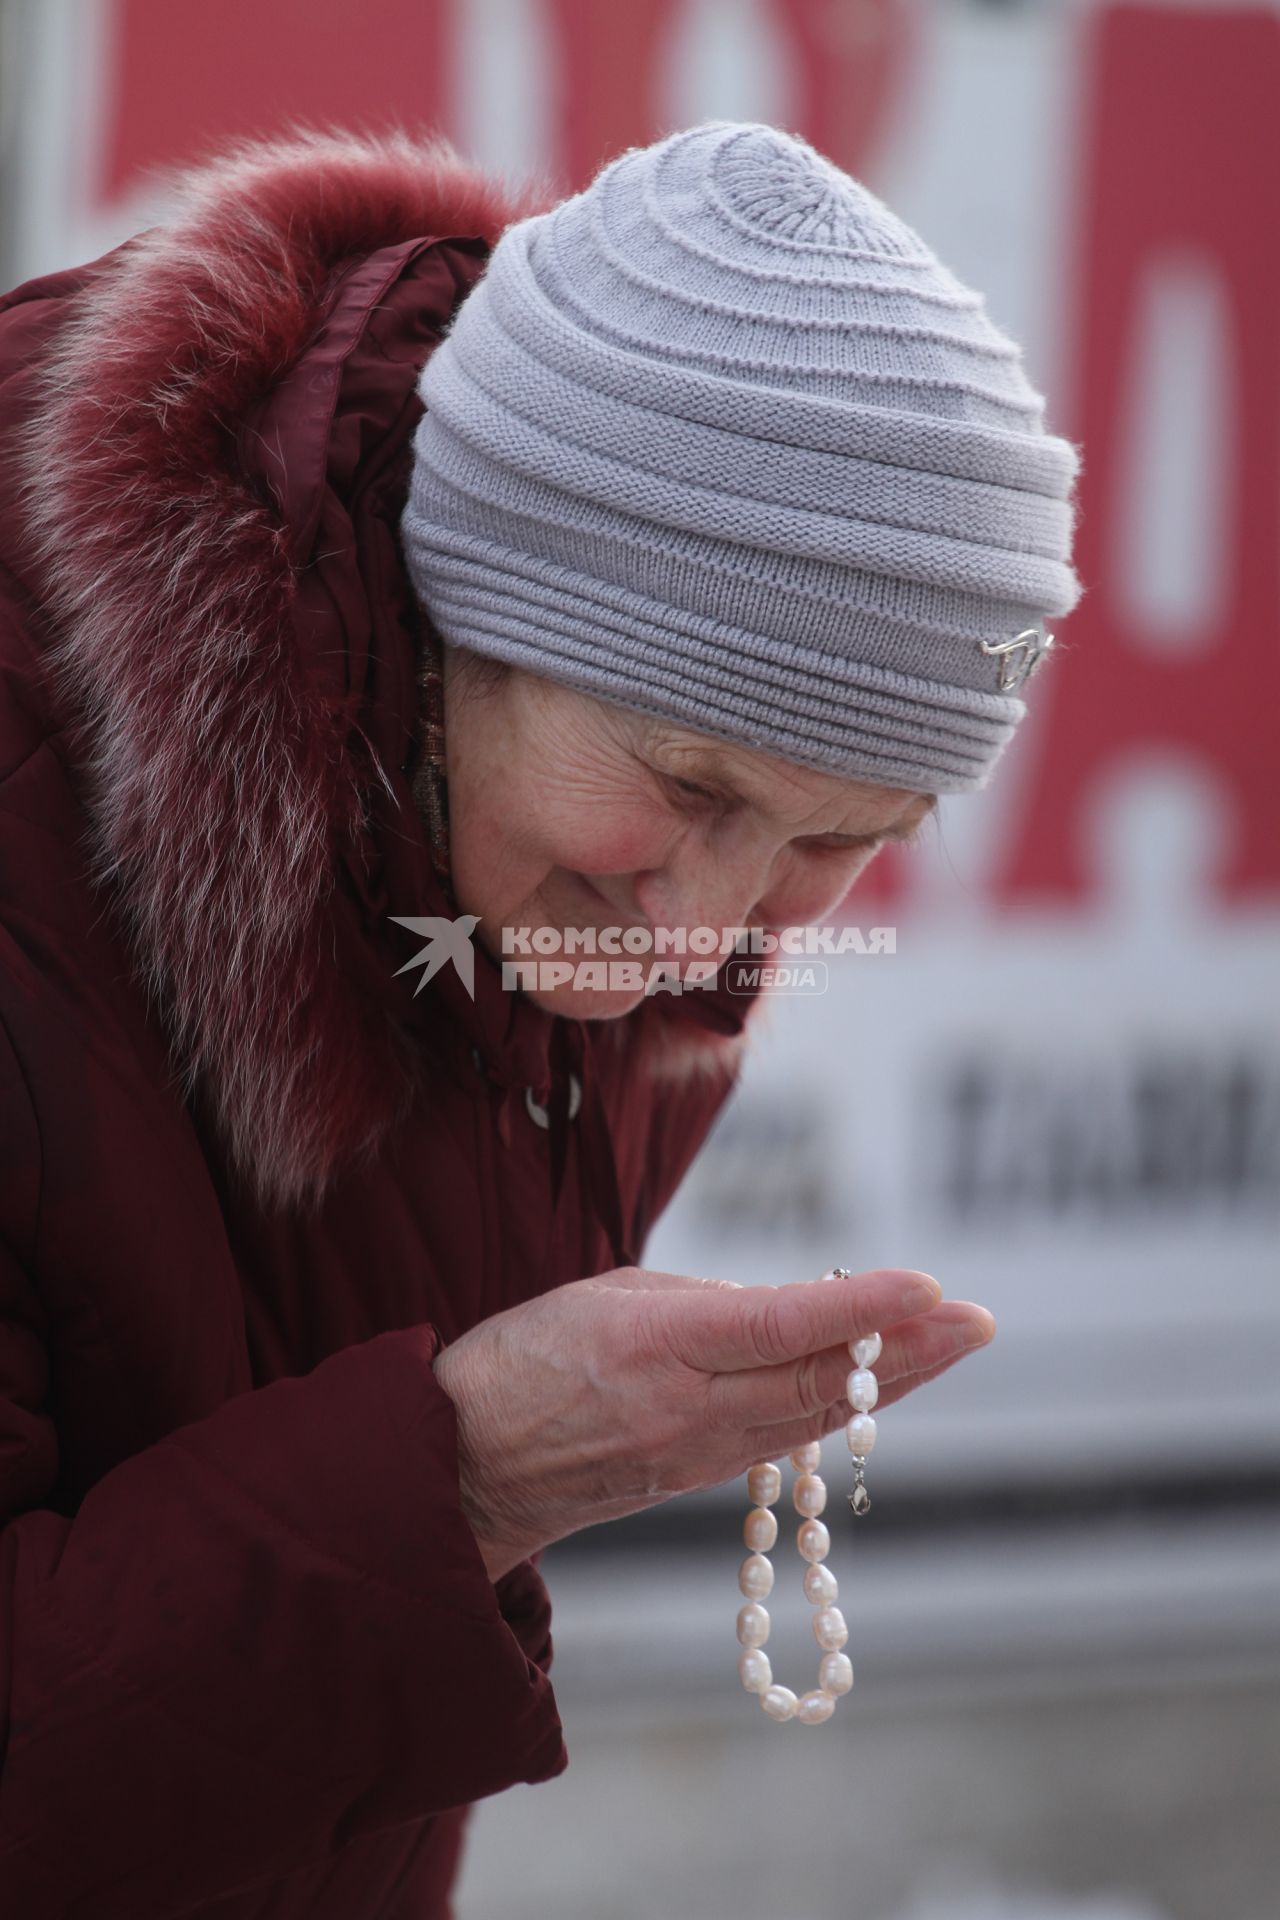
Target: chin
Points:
(584, 1003)
(569, 899)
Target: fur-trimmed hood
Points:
(212, 467)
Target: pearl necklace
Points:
(760, 1532)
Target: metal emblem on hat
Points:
(1018, 657)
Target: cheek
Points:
(604, 853)
(808, 890)
(603, 840)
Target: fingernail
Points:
(980, 1333)
(919, 1292)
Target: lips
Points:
(616, 916)
(594, 891)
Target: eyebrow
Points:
(899, 832)
(706, 771)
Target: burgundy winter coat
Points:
(250, 1661)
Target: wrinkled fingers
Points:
(740, 1329)
(759, 1397)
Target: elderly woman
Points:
(392, 569)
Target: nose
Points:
(705, 891)
(743, 880)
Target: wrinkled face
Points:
(569, 812)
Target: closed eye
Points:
(693, 791)
(896, 836)
(868, 845)
(847, 843)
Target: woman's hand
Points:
(609, 1395)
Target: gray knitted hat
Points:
(719, 439)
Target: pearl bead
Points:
(810, 1495)
(835, 1671)
(755, 1577)
(829, 1629)
(754, 1670)
(764, 1483)
(820, 1587)
(865, 1352)
(760, 1529)
(815, 1707)
(862, 1390)
(753, 1625)
(813, 1540)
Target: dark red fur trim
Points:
(215, 779)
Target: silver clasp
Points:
(1018, 657)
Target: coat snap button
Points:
(538, 1114)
